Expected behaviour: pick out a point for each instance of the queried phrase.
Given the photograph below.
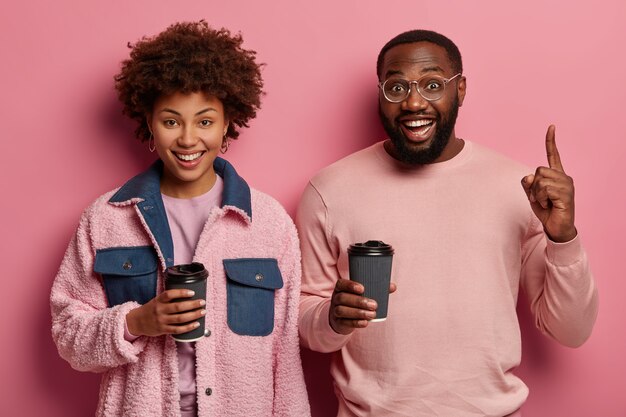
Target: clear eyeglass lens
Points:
(397, 89)
(431, 88)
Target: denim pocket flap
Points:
(130, 261)
(251, 287)
(128, 273)
(254, 272)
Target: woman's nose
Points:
(187, 137)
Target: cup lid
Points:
(371, 248)
(194, 270)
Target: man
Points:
(466, 238)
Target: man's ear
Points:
(461, 90)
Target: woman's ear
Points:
(149, 122)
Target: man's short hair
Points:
(419, 35)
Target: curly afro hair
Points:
(191, 57)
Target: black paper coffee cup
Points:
(192, 277)
(370, 265)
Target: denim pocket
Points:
(128, 274)
(251, 283)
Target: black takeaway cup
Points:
(370, 265)
(189, 277)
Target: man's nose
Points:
(414, 100)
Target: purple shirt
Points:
(187, 217)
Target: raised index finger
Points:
(554, 159)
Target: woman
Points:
(190, 88)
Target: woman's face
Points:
(188, 130)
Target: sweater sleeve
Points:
(290, 394)
(319, 275)
(560, 287)
(87, 333)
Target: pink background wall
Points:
(528, 64)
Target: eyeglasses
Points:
(431, 87)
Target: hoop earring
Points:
(151, 146)
(225, 143)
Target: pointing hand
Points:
(551, 194)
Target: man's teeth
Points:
(424, 131)
(190, 157)
(417, 123)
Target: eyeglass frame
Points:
(416, 82)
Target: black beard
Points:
(404, 153)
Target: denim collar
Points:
(146, 186)
(144, 190)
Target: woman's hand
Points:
(162, 316)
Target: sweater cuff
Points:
(332, 339)
(564, 254)
(126, 347)
(128, 336)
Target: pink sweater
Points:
(236, 374)
(465, 241)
